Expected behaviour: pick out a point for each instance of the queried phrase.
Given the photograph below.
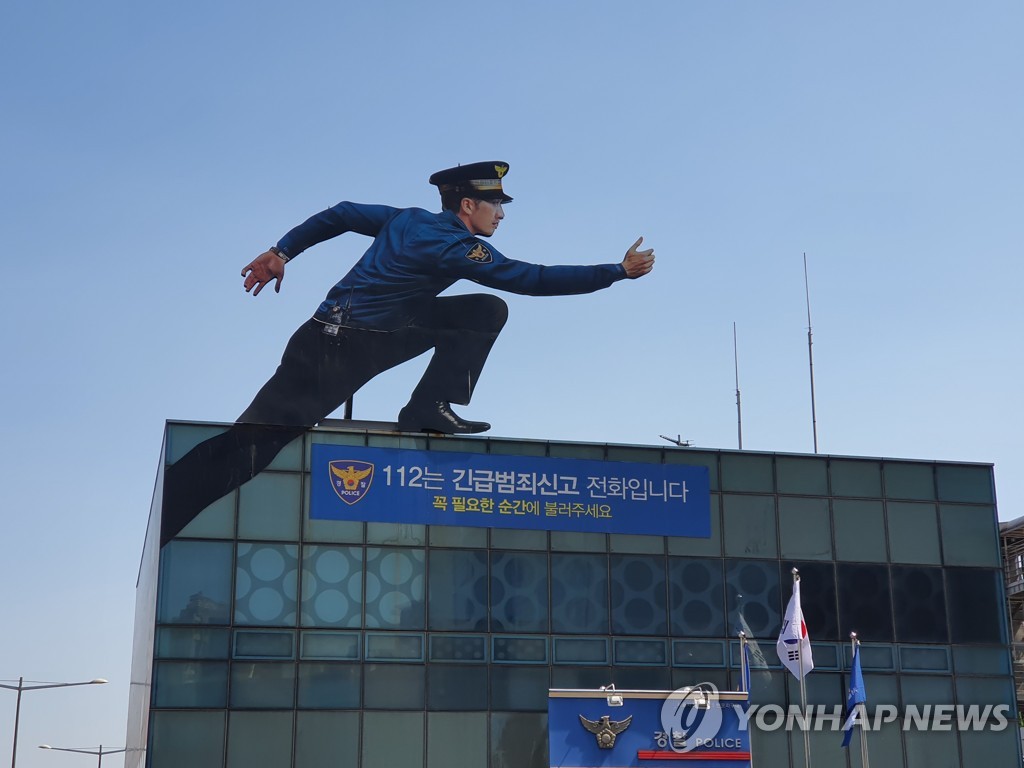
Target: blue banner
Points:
(483, 490)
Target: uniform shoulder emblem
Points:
(479, 254)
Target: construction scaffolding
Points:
(1011, 535)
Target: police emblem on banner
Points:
(479, 254)
(351, 479)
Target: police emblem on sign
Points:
(605, 730)
(351, 479)
(479, 254)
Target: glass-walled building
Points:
(269, 637)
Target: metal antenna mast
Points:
(810, 355)
(739, 409)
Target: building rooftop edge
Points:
(391, 428)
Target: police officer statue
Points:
(385, 311)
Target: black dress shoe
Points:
(437, 417)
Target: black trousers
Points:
(320, 371)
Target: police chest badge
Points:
(351, 479)
(479, 254)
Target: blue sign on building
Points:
(485, 490)
(697, 727)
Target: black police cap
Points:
(476, 180)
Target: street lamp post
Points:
(21, 687)
(98, 751)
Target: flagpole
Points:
(745, 683)
(810, 355)
(803, 693)
(854, 644)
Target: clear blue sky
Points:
(150, 152)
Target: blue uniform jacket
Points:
(416, 255)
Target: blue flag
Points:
(855, 697)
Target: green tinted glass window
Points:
(977, 606)
(268, 507)
(856, 478)
(923, 658)
(398, 602)
(514, 739)
(289, 459)
(456, 687)
(456, 739)
(884, 688)
(984, 690)
(805, 529)
(824, 688)
(259, 738)
(329, 686)
(749, 525)
(326, 738)
(992, 747)
(913, 533)
(259, 685)
(926, 689)
(518, 689)
(859, 530)
(510, 538)
(192, 643)
(394, 686)
(919, 604)
(409, 534)
(195, 739)
(635, 454)
(905, 480)
(969, 660)
(930, 749)
(392, 739)
(969, 483)
(625, 542)
(970, 535)
(800, 475)
(571, 541)
(576, 451)
(456, 536)
(747, 472)
(191, 684)
(458, 590)
(579, 602)
(195, 583)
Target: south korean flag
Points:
(794, 646)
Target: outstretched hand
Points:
(261, 270)
(638, 263)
